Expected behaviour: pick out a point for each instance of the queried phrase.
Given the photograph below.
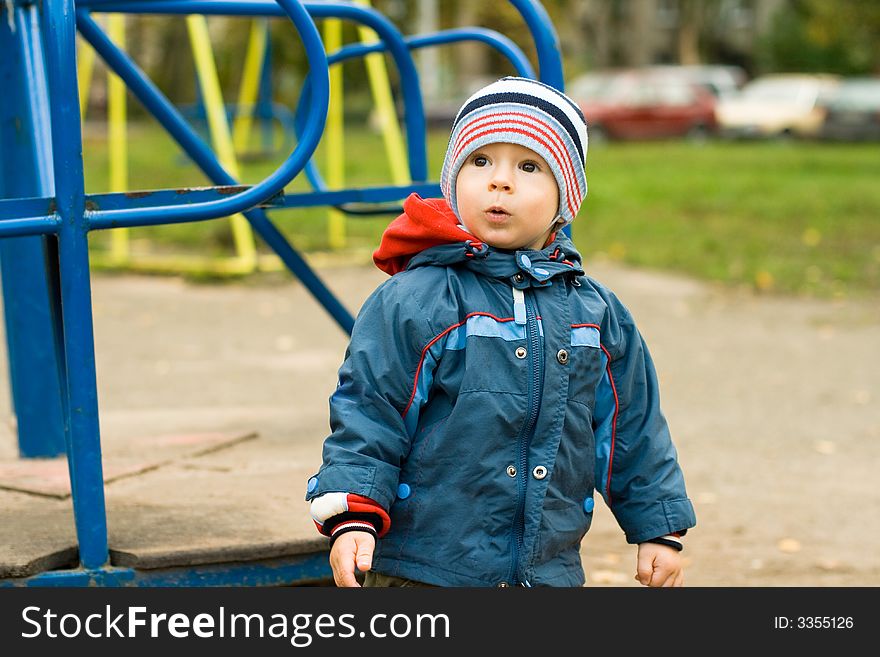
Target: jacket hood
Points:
(429, 233)
(423, 224)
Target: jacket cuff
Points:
(351, 525)
(331, 510)
(670, 540)
(641, 523)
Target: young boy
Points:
(490, 386)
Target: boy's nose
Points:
(499, 185)
(501, 181)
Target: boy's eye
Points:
(529, 167)
(480, 161)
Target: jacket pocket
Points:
(563, 526)
(588, 368)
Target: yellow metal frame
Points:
(120, 256)
(250, 84)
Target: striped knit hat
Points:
(529, 113)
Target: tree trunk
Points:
(690, 23)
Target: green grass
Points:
(793, 217)
(788, 217)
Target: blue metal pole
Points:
(84, 449)
(546, 41)
(24, 135)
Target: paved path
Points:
(773, 403)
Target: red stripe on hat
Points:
(568, 171)
(564, 161)
(528, 134)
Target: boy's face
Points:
(507, 196)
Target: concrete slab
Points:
(36, 534)
(238, 505)
(51, 478)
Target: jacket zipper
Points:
(536, 366)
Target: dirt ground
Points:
(774, 405)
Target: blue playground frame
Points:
(46, 215)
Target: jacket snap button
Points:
(519, 278)
(511, 471)
(539, 472)
(502, 585)
(562, 356)
(521, 352)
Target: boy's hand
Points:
(349, 549)
(659, 565)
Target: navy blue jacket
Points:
(484, 396)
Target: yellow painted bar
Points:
(85, 66)
(118, 137)
(250, 84)
(334, 135)
(220, 134)
(381, 88)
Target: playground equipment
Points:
(254, 101)
(46, 216)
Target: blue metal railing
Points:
(57, 208)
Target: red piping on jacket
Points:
(428, 346)
(613, 425)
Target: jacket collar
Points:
(428, 233)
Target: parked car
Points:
(720, 80)
(642, 104)
(588, 85)
(852, 112)
(776, 105)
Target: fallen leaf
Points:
(284, 342)
(811, 237)
(826, 332)
(608, 577)
(825, 447)
(789, 545)
(611, 558)
(764, 280)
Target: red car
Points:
(643, 105)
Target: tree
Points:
(834, 37)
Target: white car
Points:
(776, 105)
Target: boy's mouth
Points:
(496, 212)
